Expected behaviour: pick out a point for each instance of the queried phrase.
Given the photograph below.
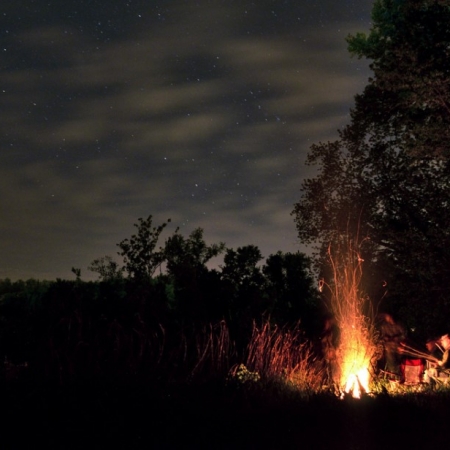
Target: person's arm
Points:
(444, 360)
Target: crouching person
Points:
(439, 369)
(330, 340)
(393, 335)
(434, 354)
(443, 364)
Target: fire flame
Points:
(357, 347)
(354, 360)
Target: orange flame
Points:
(355, 367)
(357, 346)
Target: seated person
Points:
(444, 363)
(439, 367)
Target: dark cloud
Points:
(202, 112)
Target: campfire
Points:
(357, 347)
(354, 357)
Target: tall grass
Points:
(78, 349)
(214, 351)
(283, 353)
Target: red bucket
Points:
(412, 371)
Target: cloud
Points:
(194, 113)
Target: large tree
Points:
(386, 180)
(408, 99)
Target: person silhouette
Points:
(392, 335)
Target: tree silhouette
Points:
(140, 256)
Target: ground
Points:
(136, 415)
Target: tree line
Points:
(239, 290)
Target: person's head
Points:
(387, 318)
(431, 345)
(445, 341)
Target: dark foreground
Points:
(135, 415)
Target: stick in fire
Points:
(406, 350)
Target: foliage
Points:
(240, 266)
(196, 288)
(141, 259)
(107, 268)
(77, 273)
(408, 97)
(244, 289)
(191, 254)
(241, 375)
(241, 291)
(291, 288)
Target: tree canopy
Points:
(408, 99)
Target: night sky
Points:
(199, 111)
